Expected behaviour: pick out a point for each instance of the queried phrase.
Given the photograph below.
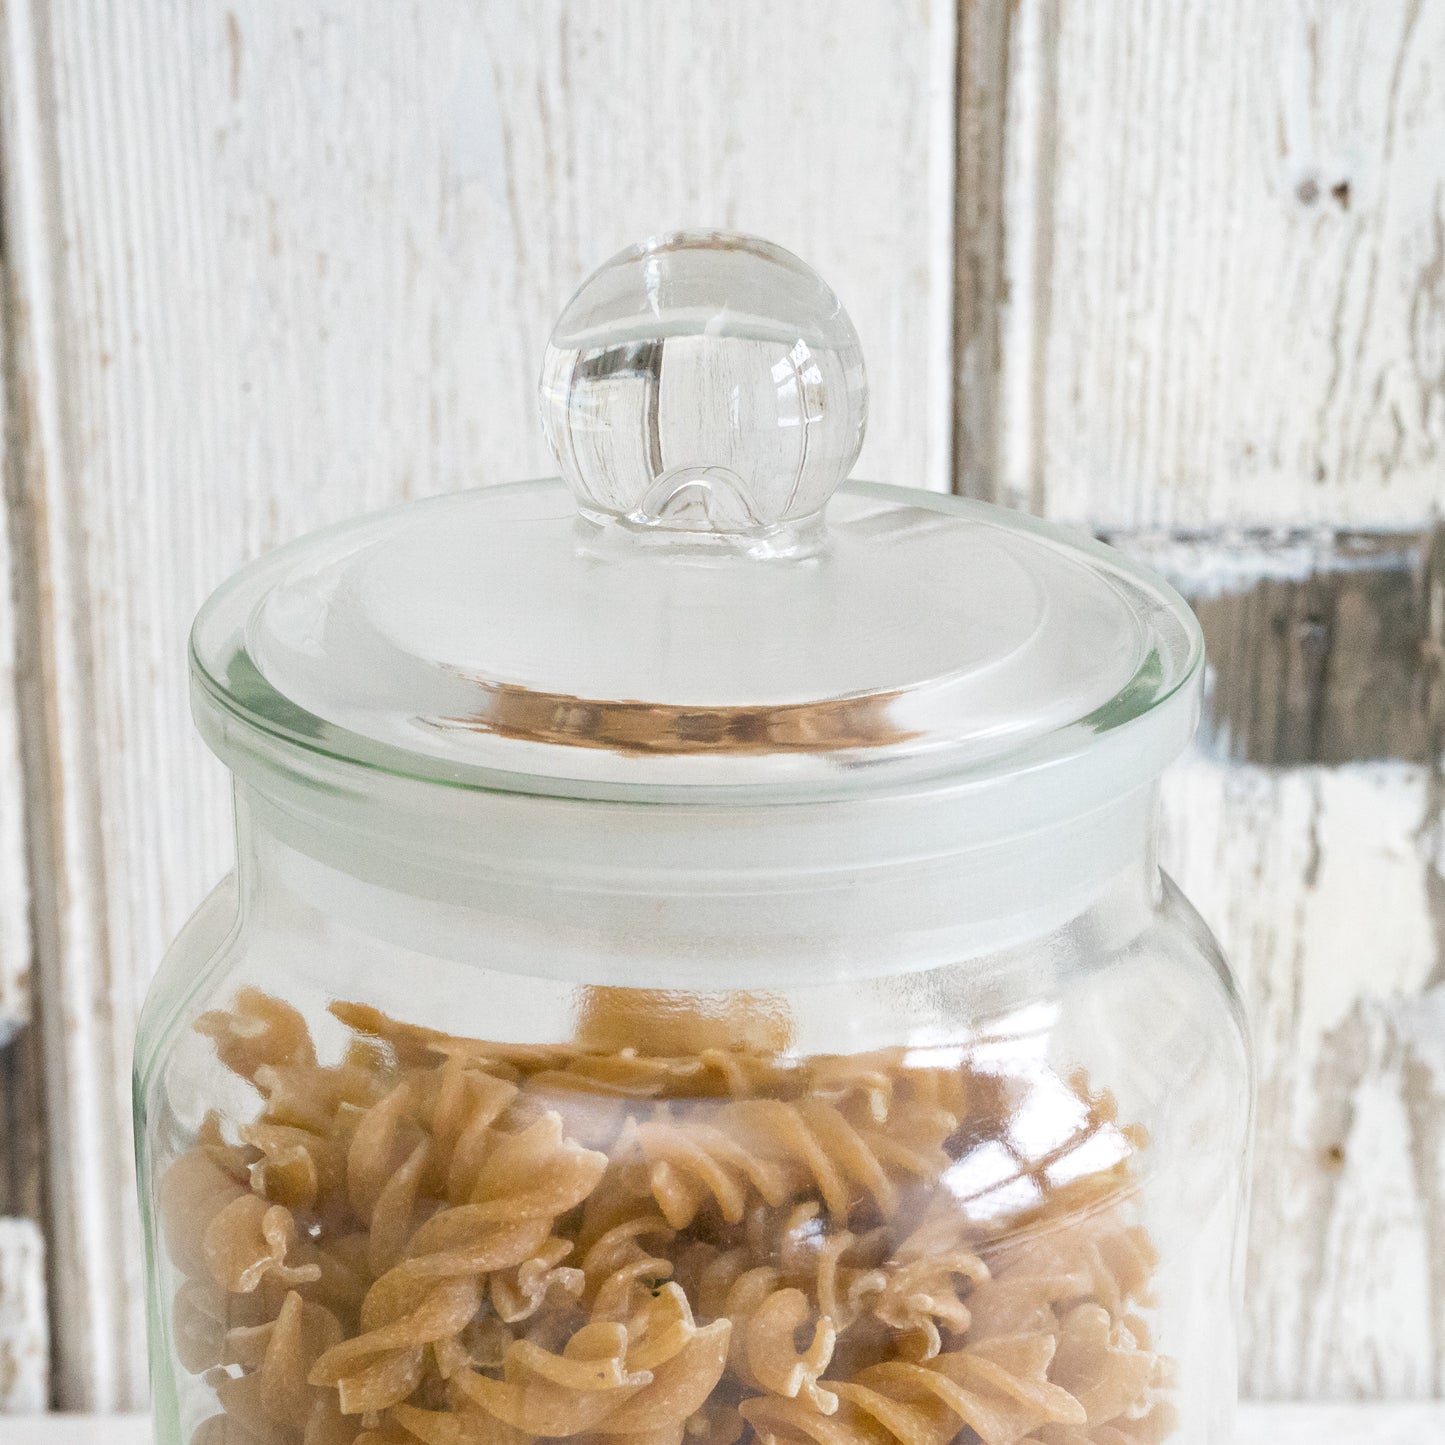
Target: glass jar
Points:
(697, 967)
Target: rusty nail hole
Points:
(1341, 193)
(1334, 1156)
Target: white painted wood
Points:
(279, 264)
(14, 873)
(82, 1069)
(1320, 884)
(24, 1336)
(1225, 263)
(14, 879)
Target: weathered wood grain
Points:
(275, 265)
(24, 1305)
(24, 1343)
(14, 873)
(1325, 886)
(22, 1128)
(982, 84)
(1323, 647)
(1225, 263)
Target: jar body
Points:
(393, 1194)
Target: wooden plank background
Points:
(1176, 272)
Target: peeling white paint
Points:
(1316, 881)
(1366, 928)
(24, 1329)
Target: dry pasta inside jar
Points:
(445, 1239)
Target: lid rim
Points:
(361, 756)
(980, 775)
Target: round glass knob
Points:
(704, 382)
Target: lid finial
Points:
(708, 383)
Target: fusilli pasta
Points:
(669, 1230)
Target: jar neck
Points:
(695, 897)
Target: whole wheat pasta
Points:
(617, 1271)
(670, 1230)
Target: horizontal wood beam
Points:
(1323, 647)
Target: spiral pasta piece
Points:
(251, 1241)
(610, 1379)
(1152, 1428)
(258, 1031)
(617, 1270)
(1001, 1391)
(841, 1271)
(774, 1150)
(691, 1166)
(770, 1328)
(520, 1292)
(435, 1289)
(1097, 1257)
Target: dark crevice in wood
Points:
(1322, 648)
(980, 105)
(22, 1145)
(1433, 823)
(1040, 204)
(21, 1101)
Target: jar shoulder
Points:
(1164, 1020)
(210, 937)
(1192, 945)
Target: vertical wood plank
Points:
(24, 1319)
(1226, 263)
(14, 874)
(24, 1343)
(24, 1339)
(76, 1057)
(24, 1310)
(275, 265)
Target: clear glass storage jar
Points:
(697, 968)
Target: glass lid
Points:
(702, 600)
